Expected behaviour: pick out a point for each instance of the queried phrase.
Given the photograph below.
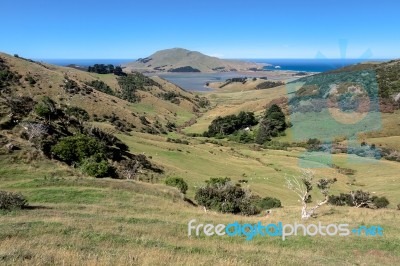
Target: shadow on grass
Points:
(36, 207)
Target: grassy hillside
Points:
(50, 80)
(79, 220)
(75, 219)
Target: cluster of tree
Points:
(222, 126)
(269, 84)
(64, 136)
(359, 199)
(106, 69)
(184, 69)
(272, 124)
(100, 86)
(131, 83)
(171, 96)
(220, 194)
(229, 81)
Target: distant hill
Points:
(182, 60)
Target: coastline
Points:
(194, 81)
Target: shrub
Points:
(269, 203)
(144, 120)
(221, 195)
(177, 182)
(11, 201)
(31, 80)
(380, 202)
(242, 137)
(95, 166)
(218, 181)
(71, 86)
(74, 149)
(42, 110)
(359, 199)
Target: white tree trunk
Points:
(305, 214)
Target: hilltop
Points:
(182, 60)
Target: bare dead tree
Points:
(35, 130)
(302, 186)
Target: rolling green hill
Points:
(77, 219)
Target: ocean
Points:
(197, 81)
(301, 65)
(309, 65)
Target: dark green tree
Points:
(177, 182)
(272, 124)
(75, 149)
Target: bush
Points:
(242, 137)
(95, 166)
(221, 195)
(75, 149)
(269, 203)
(380, 202)
(11, 201)
(360, 199)
(177, 182)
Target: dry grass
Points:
(76, 220)
(134, 223)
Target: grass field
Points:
(76, 220)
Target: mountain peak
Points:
(183, 60)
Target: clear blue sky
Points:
(228, 29)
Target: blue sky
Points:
(228, 29)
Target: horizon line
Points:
(237, 58)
